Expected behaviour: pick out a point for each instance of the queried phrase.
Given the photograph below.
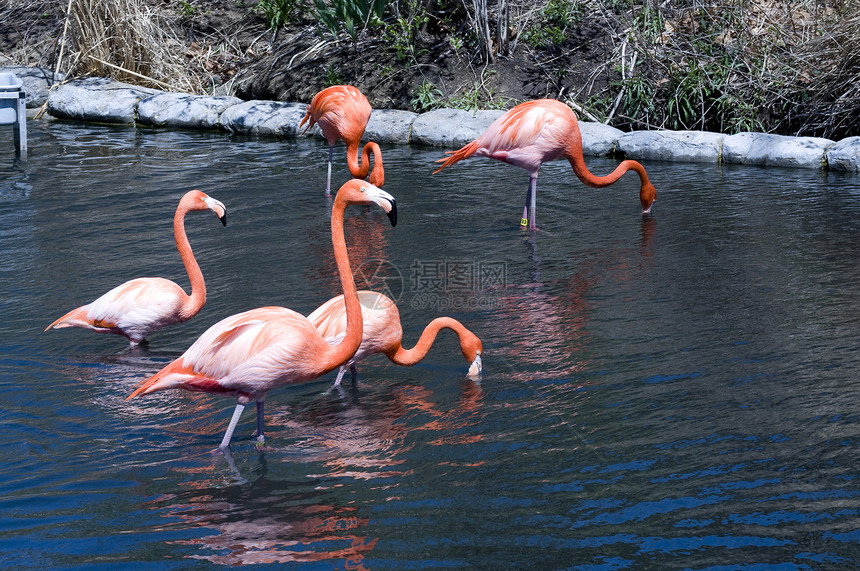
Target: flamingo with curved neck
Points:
(383, 333)
(536, 132)
(142, 306)
(342, 112)
(249, 353)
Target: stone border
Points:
(103, 100)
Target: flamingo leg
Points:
(525, 218)
(354, 372)
(261, 437)
(225, 442)
(328, 177)
(531, 200)
(340, 374)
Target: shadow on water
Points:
(673, 391)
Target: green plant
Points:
(402, 33)
(479, 96)
(332, 77)
(553, 22)
(277, 12)
(187, 9)
(638, 101)
(427, 97)
(347, 14)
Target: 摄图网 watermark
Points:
(437, 284)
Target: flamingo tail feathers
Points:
(172, 376)
(74, 318)
(458, 155)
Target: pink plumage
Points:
(536, 132)
(142, 306)
(249, 353)
(383, 333)
(342, 112)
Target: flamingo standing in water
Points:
(536, 132)
(249, 353)
(342, 112)
(384, 334)
(144, 305)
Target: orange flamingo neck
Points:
(582, 172)
(409, 357)
(192, 304)
(377, 175)
(344, 350)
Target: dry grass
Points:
(129, 41)
(833, 105)
(786, 66)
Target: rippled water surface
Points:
(677, 391)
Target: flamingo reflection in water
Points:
(264, 522)
(549, 320)
(289, 513)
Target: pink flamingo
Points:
(384, 334)
(250, 353)
(342, 112)
(144, 305)
(536, 132)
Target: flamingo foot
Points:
(260, 445)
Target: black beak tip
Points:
(223, 220)
(392, 215)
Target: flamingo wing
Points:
(381, 323)
(134, 309)
(531, 133)
(342, 111)
(246, 353)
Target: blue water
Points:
(677, 391)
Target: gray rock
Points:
(390, 126)
(37, 82)
(183, 110)
(690, 146)
(451, 127)
(264, 118)
(97, 99)
(845, 155)
(598, 139)
(775, 150)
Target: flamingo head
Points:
(472, 349)
(647, 196)
(198, 200)
(357, 191)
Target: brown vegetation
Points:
(786, 66)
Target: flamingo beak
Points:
(475, 368)
(392, 214)
(647, 209)
(218, 208)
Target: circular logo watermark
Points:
(382, 277)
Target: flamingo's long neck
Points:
(344, 350)
(377, 175)
(194, 303)
(357, 170)
(574, 156)
(409, 357)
